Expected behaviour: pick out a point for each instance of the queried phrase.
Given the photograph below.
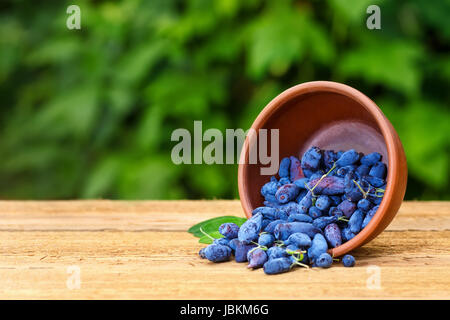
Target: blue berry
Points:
(270, 188)
(229, 230)
(333, 235)
(323, 202)
(249, 231)
(324, 260)
(343, 171)
(329, 157)
(347, 234)
(347, 207)
(356, 221)
(364, 205)
(347, 158)
(256, 258)
(233, 243)
(369, 216)
(371, 159)
(375, 181)
(283, 171)
(287, 193)
(322, 222)
(300, 217)
(348, 261)
(298, 239)
(217, 253)
(318, 246)
(330, 185)
(295, 171)
(314, 212)
(271, 226)
(311, 161)
(266, 239)
(378, 170)
(201, 253)
(276, 252)
(240, 254)
(279, 265)
(305, 203)
(363, 170)
(334, 211)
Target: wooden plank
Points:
(139, 250)
(171, 215)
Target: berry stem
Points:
(322, 177)
(361, 189)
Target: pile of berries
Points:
(317, 204)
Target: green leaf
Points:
(207, 240)
(212, 225)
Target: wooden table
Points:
(141, 250)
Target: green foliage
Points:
(89, 113)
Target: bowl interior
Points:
(328, 120)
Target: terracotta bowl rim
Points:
(382, 123)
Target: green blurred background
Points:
(89, 113)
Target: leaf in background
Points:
(393, 66)
(354, 10)
(212, 225)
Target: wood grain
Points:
(140, 250)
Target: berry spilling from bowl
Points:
(316, 204)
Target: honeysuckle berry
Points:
(348, 261)
(324, 260)
(295, 169)
(229, 230)
(310, 161)
(287, 193)
(283, 171)
(217, 253)
(347, 158)
(276, 252)
(319, 245)
(378, 170)
(271, 226)
(330, 185)
(347, 207)
(356, 221)
(300, 217)
(332, 233)
(250, 229)
(363, 170)
(240, 254)
(278, 265)
(323, 202)
(256, 258)
(266, 239)
(314, 212)
(364, 205)
(369, 216)
(371, 158)
(299, 239)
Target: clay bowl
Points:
(334, 116)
